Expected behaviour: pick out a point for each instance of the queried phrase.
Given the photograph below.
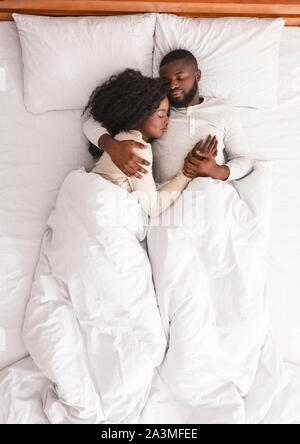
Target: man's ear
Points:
(198, 75)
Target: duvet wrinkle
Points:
(118, 350)
(103, 322)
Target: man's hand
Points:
(121, 153)
(200, 162)
(210, 146)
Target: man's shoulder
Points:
(213, 105)
(218, 101)
(222, 109)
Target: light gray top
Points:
(186, 127)
(152, 201)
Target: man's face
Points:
(182, 78)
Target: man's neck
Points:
(196, 100)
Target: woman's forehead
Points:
(164, 103)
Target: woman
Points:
(132, 106)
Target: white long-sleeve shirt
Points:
(186, 127)
(152, 201)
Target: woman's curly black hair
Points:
(124, 101)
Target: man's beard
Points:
(187, 97)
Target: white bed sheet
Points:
(37, 152)
(22, 386)
(276, 135)
(286, 406)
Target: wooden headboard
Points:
(288, 9)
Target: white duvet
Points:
(92, 324)
(110, 349)
(210, 279)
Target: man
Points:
(192, 117)
(191, 295)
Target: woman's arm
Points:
(121, 153)
(152, 201)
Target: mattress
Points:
(38, 151)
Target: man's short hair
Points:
(178, 54)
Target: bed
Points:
(37, 153)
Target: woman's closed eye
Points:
(163, 114)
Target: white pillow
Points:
(238, 57)
(65, 58)
(289, 66)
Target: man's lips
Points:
(176, 93)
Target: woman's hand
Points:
(200, 162)
(121, 153)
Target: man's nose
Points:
(173, 84)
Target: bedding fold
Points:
(92, 324)
(210, 278)
(195, 347)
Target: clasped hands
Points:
(200, 162)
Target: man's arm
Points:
(222, 172)
(94, 131)
(121, 152)
(239, 162)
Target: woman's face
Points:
(156, 124)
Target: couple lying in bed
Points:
(168, 113)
